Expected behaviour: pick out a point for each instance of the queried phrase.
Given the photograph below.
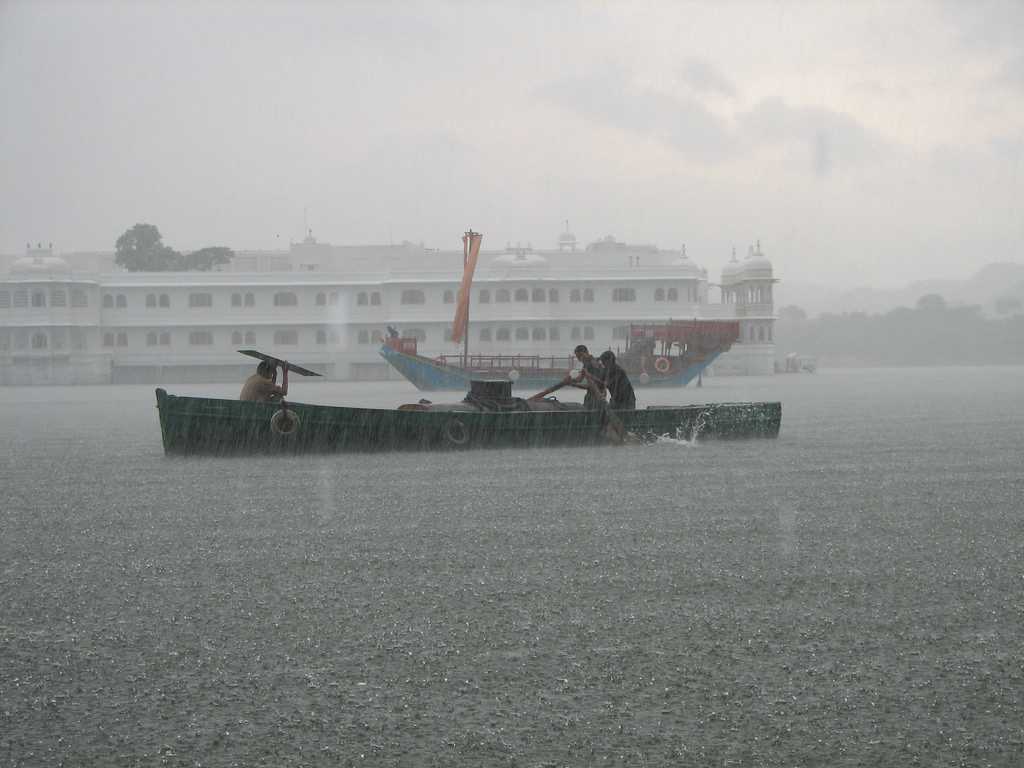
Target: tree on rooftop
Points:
(141, 249)
(206, 259)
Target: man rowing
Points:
(261, 387)
(620, 390)
(591, 378)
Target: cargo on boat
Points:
(487, 417)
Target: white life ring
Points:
(513, 375)
(284, 422)
(456, 432)
(662, 365)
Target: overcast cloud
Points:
(868, 142)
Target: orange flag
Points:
(470, 252)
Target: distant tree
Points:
(931, 302)
(792, 313)
(206, 259)
(141, 249)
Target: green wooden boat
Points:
(212, 426)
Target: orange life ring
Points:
(662, 365)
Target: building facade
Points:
(76, 319)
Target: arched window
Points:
(122, 301)
(553, 333)
(575, 333)
(449, 297)
(39, 341)
(236, 338)
(236, 299)
(152, 339)
(362, 299)
(485, 297)
(364, 337)
(151, 300)
(485, 334)
(38, 300)
(588, 294)
(108, 301)
(502, 296)
(588, 333)
(522, 334)
(79, 298)
(413, 296)
(623, 294)
(58, 298)
(375, 299)
(321, 299)
(538, 295)
(321, 336)
(288, 338)
(659, 294)
(165, 301)
(540, 334)
(553, 295)
(522, 294)
(285, 299)
(200, 300)
(250, 300)
(250, 337)
(504, 334)
(673, 294)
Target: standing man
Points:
(261, 386)
(591, 379)
(620, 390)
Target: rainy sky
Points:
(879, 142)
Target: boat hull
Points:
(431, 376)
(210, 426)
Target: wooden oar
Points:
(277, 361)
(545, 392)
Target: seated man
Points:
(261, 386)
(620, 390)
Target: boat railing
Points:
(508, 362)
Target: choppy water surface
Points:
(849, 594)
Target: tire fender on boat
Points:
(662, 365)
(284, 422)
(455, 432)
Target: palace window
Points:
(502, 296)
(79, 298)
(620, 332)
(236, 300)
(364, 337)
(321, 299)
(449, 297)
(588, 294)
(413, 296)
(588, 333)
(553, 333)
(575, 296)
(108, 339)
(250, 337)
(5, 299)
(539, 334)
(199, 300)
(39, 341)
(165, 301)
(165, 338)
(623, 294)
(58, 298)
(522, 334)
(77, 339)
(485, 297)
(286, 338)
(108, 301)
(151, 300)
(415, 333)
(122, 301)
(236, 338)
(673, 294)
(250, 300)
(539, 294)
(21, 298)
(200, 338)
(485, 334)
(362, 299)
(375, 299)
(321, 336)
(38, 299)
(504, 334)
(575, 333)
(285, 299)
(522, 294)
(152, 339)
(122, 338)
(760, 333)
(553, 295)
(659, 294)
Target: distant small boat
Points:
(670, 354)
(488, 417)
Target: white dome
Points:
(43, 264)
(757, 265)
(684, 264)
(731, 271)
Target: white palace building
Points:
(77, 318)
